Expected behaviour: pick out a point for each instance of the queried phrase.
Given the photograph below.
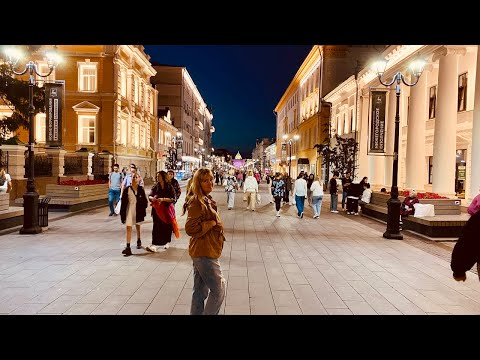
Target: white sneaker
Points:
(166, 246)
(278, 214)
(151, 248)
(335, 211)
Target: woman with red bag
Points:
(162, 197)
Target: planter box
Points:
(76, 192)
(442, 206)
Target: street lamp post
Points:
(30, 197)
(393, 204)
(290, 142)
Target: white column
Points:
(444, 145)
(16, 160)
(475, 159)
(378, 179)
(363, 164)
(415, 162)
(390, 137)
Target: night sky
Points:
(241, 83)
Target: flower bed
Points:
(420, 195)
(83, 182)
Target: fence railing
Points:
(73, 165)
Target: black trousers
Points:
(352, 205)
(278, 200)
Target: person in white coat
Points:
(317, 196)
(300, 192)
(250, 188)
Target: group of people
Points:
(250, 189)
(353, 194)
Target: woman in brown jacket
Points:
(206, 230)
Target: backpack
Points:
(2, 180)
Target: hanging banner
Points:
(54, 98)
(284, 152)
(377, 123)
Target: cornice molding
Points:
(447, 50)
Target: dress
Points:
(131, 209)
(161, 232)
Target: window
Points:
(44, 70)
(123, 83)
(136, 135)
(123, 131)
(462, 92)
(86, 129)
(40, 127)
(136, 90)
(144, 135)
(430, 167)
(87, 77)
(353, 126)
(432, 103)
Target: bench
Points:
(447, 222)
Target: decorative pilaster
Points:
(58, 160)
(474, 185)
(16, 160)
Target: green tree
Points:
(342, 156)
(14, 94)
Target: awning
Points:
(303, 161)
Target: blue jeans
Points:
(207, 275)
(300, 202)
(344, 197)
(333, 202)
(317, 205)
(113, 196)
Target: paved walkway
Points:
(333, 265)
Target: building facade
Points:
(258, 154)
(166, 141)
(189, 113)
(301, 112)
(439, 138)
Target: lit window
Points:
(86, 129)
(87, 77)
(43, 69)
(123, 131)
(144, 137)
(151, 102)
(136, 135)
(123, 83)
(432, 103)
(136, 90)
(40, 127)
(462, 92)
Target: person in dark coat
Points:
(133, 209)
(164, 192)
(466, 251)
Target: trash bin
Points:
(43, 211)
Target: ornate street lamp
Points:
(393, 215)
(290, 143)
(30, 197)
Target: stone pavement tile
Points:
(279, 282)
(460, 310)
(49, 295)
(296, 278)
(8, 307)
(111, 305)
(418, 299)
(263, 309)
(238, 282)
(97, 295)
(339, 312)
(155, 281)
(162, 304)
(143, 295)
(180, 273)
(237, 310)
(289, 310)
(374, 280)
(185, 297)
(256, 289)
(254, 254)
(243, 271)
(291, 268)
(362, 287)
(132, 309)
(181, 309)
(81, 309)
(317, 281)
(285, 298)
(472, 294)
(28, 309)
(360, 308)
(401, 303)
(311, 306)
(434, 313)
(305, 264)
(348, 293)
(115, 281)
(60, 305)
(237, 297)
(349, 274)
(21, 275)
(330, 300)
(380, 304)
(437, 297)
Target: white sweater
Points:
(300, 188)
(317, 189)
(250, 185)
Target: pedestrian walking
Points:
(310, 180)
(231, 187)
(133, 210)
(278, 191)
(466, 251)
(346, 182)
(175, 184)
(300, 192)
(115, 179)
(206, 244)
(333, 188)
(474, 206)
(250, 189)
(127, 181)
(163, 194)
(317, 196)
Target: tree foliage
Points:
(341, 157)
(14, 94)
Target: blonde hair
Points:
(195, 191)
(2, 171)
(317, 178)
(250, 173)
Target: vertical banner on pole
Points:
(54, 98)
(377, 123)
